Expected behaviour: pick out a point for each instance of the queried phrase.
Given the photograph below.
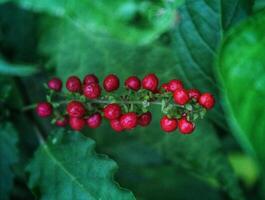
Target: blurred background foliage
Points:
(213, 45)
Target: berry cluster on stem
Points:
(85, 103)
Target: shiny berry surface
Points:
(90, 78)
(112, 111)
(185, 127)
(207, 100)
(174, 85)
(73, 84)
(128, 120)
(181, 96)
(116, 125)
(111, 83)
(55, 84)
(168, 125)
(150, 82)
(77, 123)
(145, 119)
(194, 94)
(133, 83)
(75, 109)
(92, 91)
(94, 120)
(44, 109)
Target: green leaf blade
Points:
(16, 70)
(66, 167)
(197, 35)
(241, 67)
(8, 157)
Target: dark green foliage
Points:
(58, 159)
(213, 45)
(8, 157)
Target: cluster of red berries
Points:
(86, 105)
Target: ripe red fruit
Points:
(76, 123)
(144, 119)
(133, 83)
(168, 125)
(111, 83)
(73, 84)
(55, 84)
(185, 127)
(181, 96)
(129, 120)
(150, 82)
(174, 85)
(207, 100)
(62, 122)
(94, 120)
(75, 109)
(90, 78)
(112, 111)
(165, 87)
(92, 90)
(44, 109)
(195, 94)
(116, 125)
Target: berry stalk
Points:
(86, 103)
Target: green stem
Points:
(98, 101)
(28, 107)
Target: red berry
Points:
(75, 109)
(174, 85)
(92, 90)
(207, 100)
(94, 120)
(145, 119)
(77, 123)
(168, 125)
(44, 109)
(111, 83)
(185, 127)
(181, 96)
(90, 78)
(129, 120)
(165, 87)
(150, 82)
(55, 84)
(133, 83)
(116, 125)
(62, 122)
(73, 84)
(112, 111)
(195, 94)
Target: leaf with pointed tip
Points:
(66, 167)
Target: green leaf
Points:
(101, 55)
(241, 66)
(66, 167)
(199, 153)
(259, 4)
(245, 168)
(197, 35)
(16, 70)
(8, 157)
(132, 21)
